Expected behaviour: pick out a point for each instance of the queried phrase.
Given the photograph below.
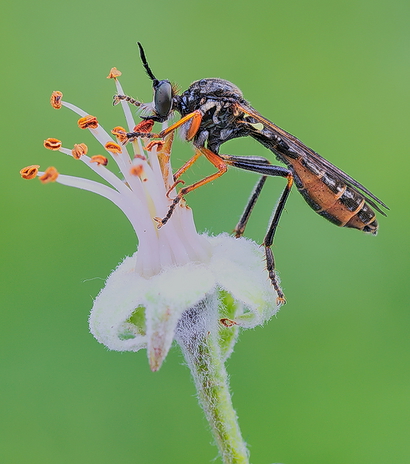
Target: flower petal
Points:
(164, 297)
(238, 265)
(115, 305)
(171, 293)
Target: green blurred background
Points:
(327, 381)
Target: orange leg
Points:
(196, 117)
(181, 170)
(187, 165)
(215, 159)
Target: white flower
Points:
(174, 268)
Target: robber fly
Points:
(214, 111)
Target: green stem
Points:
(197, 334)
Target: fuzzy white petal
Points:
(164, 296)
(239, 268)
(170, 293)
(235, 266)
(114, 306)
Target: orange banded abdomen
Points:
(331, 197)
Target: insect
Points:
(214, 111)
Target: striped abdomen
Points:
(331, 197)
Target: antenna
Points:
(146, 66)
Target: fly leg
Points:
(262, 166)
(195, 117)
(215, 159)
(268, 240)
(119, 98)
(240, 227)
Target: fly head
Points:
(163, 92)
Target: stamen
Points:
(29, 172)
(55, 99)
(127, 111)
(114, 73)
(155, 143)
(79, 150)
(50, 175)
(99, 159)
(120, 133)
(52, 144)
(88, 122)
(138, 170)
(113, 147)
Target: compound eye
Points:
(163, 98)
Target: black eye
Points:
(163, 98)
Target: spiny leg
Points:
(268, 240)
(215, 160)
(118, 98)
(181, 170)
(262, 166)
(187, 165)
(195, 116)
(250, 163)
(240, 227)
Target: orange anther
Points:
(120, 133)
(29, 172)
(155, 143)
(99, 159)
(52, 144)
(144, 126)
(55, 99)
(136, 170)
(79, 150)
(113, 147)
(114, 73)
(88, 122)
(50, 175)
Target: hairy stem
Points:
(197, 334)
